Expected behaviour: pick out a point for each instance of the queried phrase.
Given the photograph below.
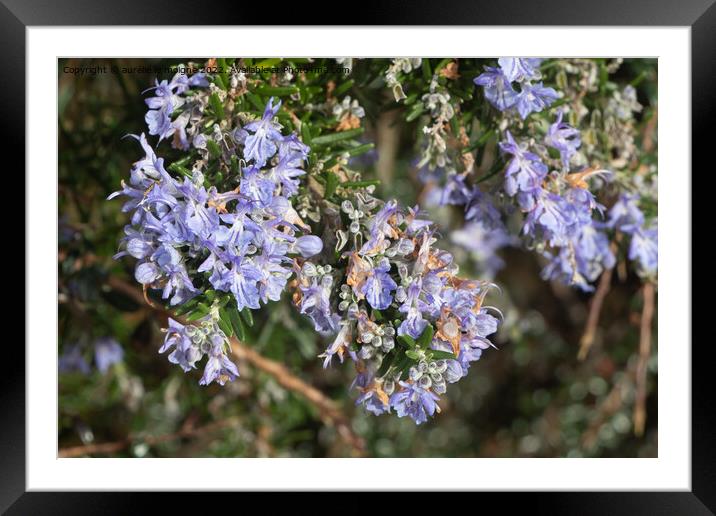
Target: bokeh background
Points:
(535, 397)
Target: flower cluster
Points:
(406, 319)
(563, 220)
(562, 216)
(485, 226)
(187, 236)
(392, 302)
(559, 207)
(497, 83)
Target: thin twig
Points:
(151, 440)
(328, 410)
(647, 315)
(595, 309)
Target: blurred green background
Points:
(532, 398)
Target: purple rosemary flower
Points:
(525, 171)
(644, 249)
(159, 122)
(593, 252)
(242, 241)
(582, 260)
(274, 275)
(287, 172)
(584, 204)
(177, 284)
(380, 229)
(257, 186)
(242, 279)
(373, 397)
(534, 98)
(551, 219)
(498, 89)
(379, 286)
(564, 138)
(182, 82)
(520, 68)
(315, 301)
(260, 144)
(413, 324)
(107, 352)
(219, 368)
(625, 215)
(471, 351)
(144, 171)
(415, 402)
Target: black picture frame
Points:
(700, 15)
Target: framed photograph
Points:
(417, 253)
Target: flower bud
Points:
(309, 269)
(366, 352)
(146, 273)
(308, 245)
(440, 366)
(405, 246)
(400, 295)
(425, 382)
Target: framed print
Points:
(420, 255)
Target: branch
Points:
(328, 410)
(151, 440)
(595, 309)
(647, 315)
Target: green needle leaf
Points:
(338, 137)
(216, 106)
